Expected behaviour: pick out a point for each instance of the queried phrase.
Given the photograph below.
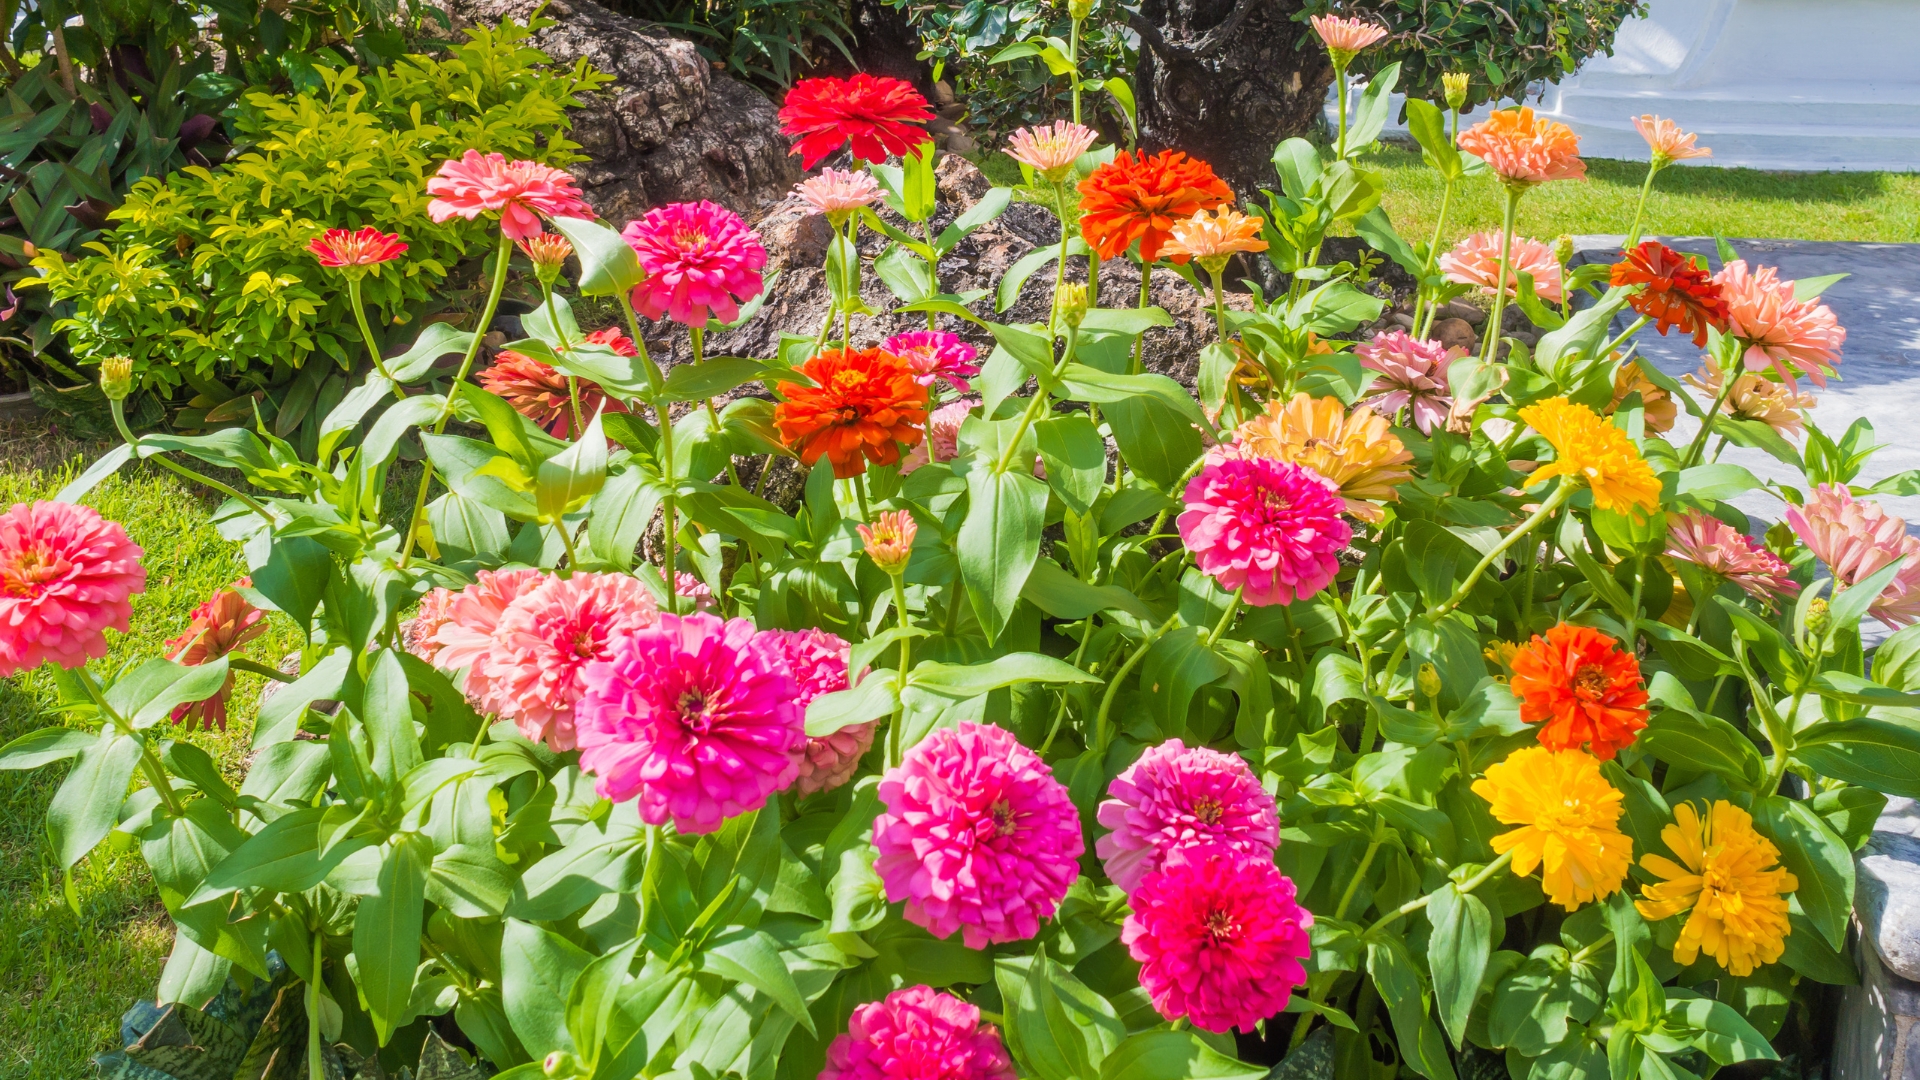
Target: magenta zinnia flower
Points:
(544, 642)
(1791, 335)
(465, 633)
(917, 1033)
(943, 435)
(1270, 527)
(1476, 261)
(520, 191)
(1176, 797)
(701, 261)
(65, 577)
(978, 836)
(1713, 545)
(1413, 375)
(818, 662)
(694, 717)
(1219, 937)
(1858, 539)
(934, 355)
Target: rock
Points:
(1455, 333)
(1401, 320)
(794, 236)
(1887, 897)
(1875, 1037)
(1455, 309)
(668, 128)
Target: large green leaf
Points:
(88, 801)
(999, 541)
(1173, 1055)
(538, 969)
(1820, 861)
(1398, 981)
(1457, 953)
(1877, 754)
(386, 931)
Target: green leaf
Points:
(1428, 126)
(387, 712)
(1850, 605)
(1399, 984)
(1371, 114)
(88, 801)
(294, 577)
(435, 341)
(999, 541)
(284, 857)
(1063, 596)
(1015, 277)
(386, 932)
(1698, 740)
(1076, 459)
(1806, 290)
(1457, 955)
(538, 969)
(1061, 1029)
(875, 697)
(1174, 1055)
(1132, 321)
(591, 1000)
(608, 267)
(1872, 753)
(753, 957)
(568, 479)
(280, 714)
(470, 882)
(104, 466)
(1157, 440)
(972, 680)
(1724, 1034)
(44, 747)
(1717, 482)
(147, 694)
(1084, 383)
(1820, 861)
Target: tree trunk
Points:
(1226, 81)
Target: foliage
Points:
(762, 40)
(407, 858)
(207, 281)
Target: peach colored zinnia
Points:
(466, 634)
(545, 640)
(1176, 797)
(1212, 238)
(1756, 396)
(1793, 336)
(420, 631)
(838, 192)
(1412, 376)
(519, 191)
(1858, 539)
(1345, 37)
(1666, 141)
(66, 575)
(1354, 450)
(1050, 149)
(943, 435)
(1525, 149)
(1476, 261)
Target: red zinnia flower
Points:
(1583, 687)
(1678, 294)
(874, 113)
(539, 392)
(865, 403)
(337, 248)
(1137, 197)
(218, 627)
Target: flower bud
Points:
(560, 1064)
(548, 253)
(1070, 304)
(1563, 249)
(1455, 84)
(1429, 681)
(116, 377)
(1819, 619)
(1078, 10)
(889, 540)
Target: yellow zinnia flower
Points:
(1570, 822)
(1356, 451)
(1739, 905)
(1587, 448)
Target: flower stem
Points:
(1492, 346)
(366, 335)
(1100, 734)
(1060, 263)
(1639, 324)
(860, 496)
(1226, 617)
(1560, 495)
(1640, 208)
(1073, 58)
(120, 421)
(1340, 78)
(895, 749)
(1140, 343)
(663, 411)
(1699, 443)
(1463, 888)
(316, 1064)
(1421, 307)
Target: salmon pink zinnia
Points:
(943, 435)
(519, 191)
(1412, 376)
(1476, 261)
(1794, 336)
(1345, 37)
(1857, 540)
(1719, 548)
(1666, 142)
(1219, 936)
(545, 640)
(1050, 149)
(917, 1033)
(694, 717)
(701, 261)
(216, 628)
(465, 634)
(1272, 528)
(876, 114)
(1176, 797)
(977, 836)
(837, 192)
(817, 661)
(65, 576)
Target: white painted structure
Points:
(1770, 84)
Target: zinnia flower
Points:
(694, 717)
(917, 1033)
(943, 435)
(1729, 878)
(889, 540)
(1590, 450)
(863, 405)
(435, 609)
(1719, 548)
(520, 191)
(838, 192)
(1569, 817)
(1139, 197)
(701, 261)
(1413, 376)
(65, 576)
(1856, 540)
(977, 836)
(1525, 149)
(1583, 688)
(1213, 238)
(875, 114)
(220, 625)
(935, 355)
(1346, 37)
(1220, 938)
(1355, 451)
(1476, 261)
(1050, 149)
(1756, 396)
(690, 587)
(547, 252)
(1657, 409)
(1272, 528)
(1790, 335)
(466, 633)
(1666, 141)
(1677, 293)
(1177, 797)
(545, 640)
(347, 249)
(540, 392)
(817, 661)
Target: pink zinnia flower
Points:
(701, 261)
(943, 435)
(1219, 937)
(934, 355)
(818, 662)
(1413, 375)
(889, 540)
(917, 1033)
(520, 191)
(978, 836)
(1271, 527)
(465, 635)
(220, 625)
(1666, 141)
(690, 587)
(694, 717)
(65, 576)
(1858, 539)
(1476, 261)
(545, 640)
(1713, 545)
(1793, 336)
(837, 192)
(1050, 149)
(1346, 36)
(1176, 797)
(435, 610)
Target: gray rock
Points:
(1874, 1037)
(1887, 893)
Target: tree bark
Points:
(1226, 81)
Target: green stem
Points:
(1467, 886)
(1037, 403)
(1340, 78)
(241, 663)
(366, 335)
(894, 748)
(933, 262)
(1640, 208)
(1633, 615)
(656, 388)
(1727, 379)
(1560, 495)
(1492, 346)
(1060, 713)
(1607, 349)
(156, 774)
(1060, 263)
(860, 497)
(1219, 305)
(1226, 617)
(1100, 735)
(1421, 306)
(316, 1065)
(1073, 58)
(1140, 343)
(120, 421)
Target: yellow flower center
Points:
(1002, 811)
(1207, 810)
(1222, 926)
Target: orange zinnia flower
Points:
(1677, 296)
(1583, 687)
(1525, 149)
(1137, 197)
(864, 406)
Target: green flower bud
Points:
(1429, 680)
(116, 377)
(1819, 619)
(1070, 303)
(1455, 84)
(1563, 249)
(560, 1065)
(1078, 10)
